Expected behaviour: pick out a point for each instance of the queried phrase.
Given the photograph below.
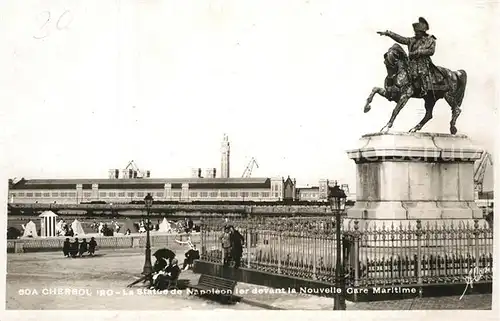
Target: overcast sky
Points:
(160, 82)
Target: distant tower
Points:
(225, 154)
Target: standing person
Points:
(83, 247)
(237, 241)
(74, 248)
(226, 246)
(92, 246)
(66, 247)
(142, 229)
(190, 225)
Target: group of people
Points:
(165, 273)
(77, 249)
(182, 226)
(105, 229)
(232, 246)
(65, 230)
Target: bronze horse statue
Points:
(399, 87)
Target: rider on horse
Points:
(424, 74)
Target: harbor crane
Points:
(480, 170)
(248, 170)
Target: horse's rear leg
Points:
(455, 112)
(375, 90)
(455, 97)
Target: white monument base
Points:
(405, 177)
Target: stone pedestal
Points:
(404, 177)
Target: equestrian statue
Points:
(415, 76)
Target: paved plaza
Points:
(101, 280)
(44, 281)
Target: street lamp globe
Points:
(337, 198)
(148, 200)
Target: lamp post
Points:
(148, 268)
(337, 200)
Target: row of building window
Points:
(312, 195)
(228, 194)
(85, 194)
(142, 194)
(45, 194)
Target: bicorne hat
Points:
(421, 25)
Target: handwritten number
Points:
(44, 25)
(60, 25)
(475, 275)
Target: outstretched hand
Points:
(382, 33)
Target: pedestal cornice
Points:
(434, 147)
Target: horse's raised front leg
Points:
(401, 103)
(375, 90)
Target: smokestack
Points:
(130, 173)
(117, 173)
(225, 157)
(199, 172)
(148, 174)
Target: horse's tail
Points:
(462, 84)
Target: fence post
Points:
(18, 247)
(476, 243)
(136, 241)
(419, 257)
(279, 250)
(202, 240)
(249, 240)
(356, 236)
(314, 256)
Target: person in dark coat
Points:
(164, 277)
(92, 246)
(237, 241)
(173, 270)
(226, 246)
(83, 247)
(190, 225)
(74, 248)
(191, 255)
(66, 247)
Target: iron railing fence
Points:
(418, 254)
(108, 242)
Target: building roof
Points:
(145, 183)
(309, 188)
